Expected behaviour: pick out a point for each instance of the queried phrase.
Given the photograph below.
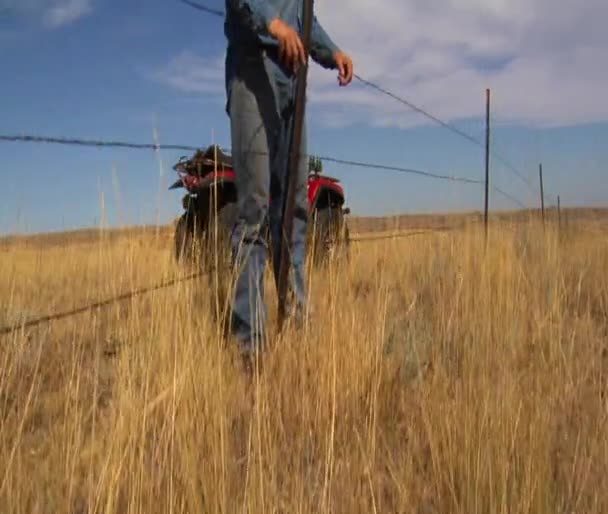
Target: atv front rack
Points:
(202, 163)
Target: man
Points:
(263, 54)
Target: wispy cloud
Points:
(541, 63)
(544, 64)
(190, 73)
(66, 12)
(52, 13)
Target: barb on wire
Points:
(102, 303)
(94, 143)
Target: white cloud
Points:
(191, 73)
(52, 13)
(544, 62)
(66, 12)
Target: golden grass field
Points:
(434, 378)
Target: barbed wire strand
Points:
(420, 110)
(150, 146)
(204, 8)
(500, 156)
(402, 234)
(167, 284)
(31, 323)
(446, 125)
(99, 304)
(28, 138)
(410, 171)
(509, 197)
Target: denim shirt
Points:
(246, 28)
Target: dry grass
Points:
(433, 379)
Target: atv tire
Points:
(328, 235)
(196, 243)
(185, 240)
(217, 238)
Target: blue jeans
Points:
(261, 109)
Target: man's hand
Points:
(345, 68)
(291, 49)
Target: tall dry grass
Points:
(433, 377)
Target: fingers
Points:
(296, 55)
(301, 55)
(291, 49)
(282, 50)
(296, 50)
(345, 67)
(349, 71)
(286, 52)
(341, 71)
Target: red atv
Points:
(203, 230)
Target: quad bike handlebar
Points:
(178, 166)
(203, 161)
(193, 166)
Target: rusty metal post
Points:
(293, 164)
(542, 193)
(487, 185)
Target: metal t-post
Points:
(487, 182)
(293, 164)
(542, 193)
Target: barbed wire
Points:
(28, 138)
(509, 197)
(153, 146)
(408, 103)
(499, 155)
(446, 125)
(402, 234)
(398, 169)
(513, 170)
(107, 302)
(70, 141)
(204, 8)
(418, 109)
(411, 105)
(96, 305)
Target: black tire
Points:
(216, 257)
(196, 241)
(217, 236)
(346, 241)
(184, 239)
(327, 235)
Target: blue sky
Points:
(110, 70)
